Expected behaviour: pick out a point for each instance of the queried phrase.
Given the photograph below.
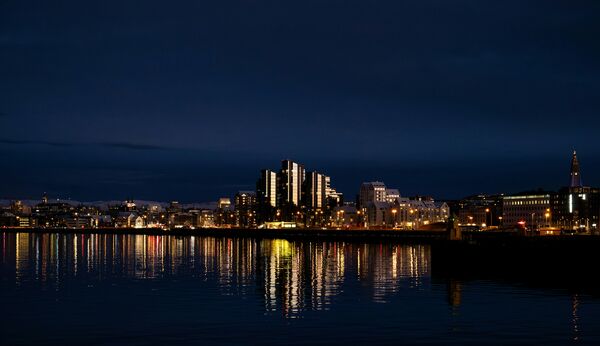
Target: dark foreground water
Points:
(139, 290)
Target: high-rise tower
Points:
(266, 188)
(315, 190)
(290, 181)
(575, 174)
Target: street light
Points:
(394, 211)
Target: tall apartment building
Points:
(316, 190)
(291, 179)
(266, 188)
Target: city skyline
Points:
(293, 198)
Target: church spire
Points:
(575, 174)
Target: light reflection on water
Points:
(146, 289)
(294, 276)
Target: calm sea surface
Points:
(151, 290)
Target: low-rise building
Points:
(528, 209)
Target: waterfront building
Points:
(289, 192)
(315, 199)
(474, 215)
(391, 195)
(27, 221)
(378, 214)
(245, 213)
(346, 216)
(383, 207)
(52, 214)
(528, 209)
(417, 212)
(370, 192)
(8, 219)
(224, 203)
(316, 190)
(291, 180)
(18, 208)
(266, 196)
(104, 221)
(224, 217)
(129, 219)
(80, 221)
(183, 219)
(478, 210)
(334, 198)
(577, 207)
(207, 218)
(266, 188)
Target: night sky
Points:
(188, 100)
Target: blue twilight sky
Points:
(187, 100)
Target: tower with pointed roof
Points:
(575, 173)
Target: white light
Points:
(571, 203)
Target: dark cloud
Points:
(134, 146)
(35, 142)
(116, 145)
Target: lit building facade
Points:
(416, 213)
(316, 191)
(533, 210)
(474, 215)
(266, 188)
(291, 179)
(370, 192)
(577, 207)
(386, 208)
(245, 213)
(478, 210)
(391, 195)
